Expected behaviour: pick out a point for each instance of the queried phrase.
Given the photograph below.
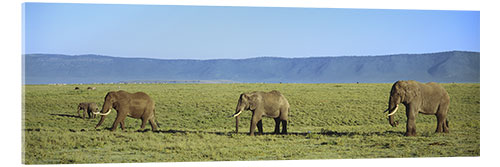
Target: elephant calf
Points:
(89, 108)
(271, 104)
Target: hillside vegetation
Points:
(327, 121)
(455, 66)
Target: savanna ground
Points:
(326, 121)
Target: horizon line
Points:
(378, 55)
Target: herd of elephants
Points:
(426, 98)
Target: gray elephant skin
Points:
(136, 105)
(87, 107)
(270, 104)
(429, 99)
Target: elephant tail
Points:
(447, 122)
(157, 123)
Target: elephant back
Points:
(141, 95)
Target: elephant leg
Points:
(149, 116)
(78, 112)
(284, 119)
(439, 127)
(446, 127)
(143, 124)
(441, 123)
(277, 127)
(122, 125)
(441, 117)
(252, 126)
(89, 114)
(85, 111)
(259, 126)
(284, 130)
(115, 124)
(411, 129)
(119, 118)
(83, 114)
(253, 123)
(153, 124)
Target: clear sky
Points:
(207, 32)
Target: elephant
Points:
(429, 99)
(88, 108)
(136, 105)
(270, 104)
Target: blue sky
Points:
(207, 32)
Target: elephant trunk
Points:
(237, 118)
(393, 107)
(105, 106)
(103, 117)
(242, 106)
(237, 122)
(392, 122)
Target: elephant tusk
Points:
(109, 111)
(235, 115)
(393, 111)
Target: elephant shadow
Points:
(66, 115)
(349, 134)
(173, 131)
(325, 133)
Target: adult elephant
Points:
(429, 99)
(88, 107)
(271, 104)
(136, 105)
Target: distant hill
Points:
(454, 66)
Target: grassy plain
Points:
(327, 121)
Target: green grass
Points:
(327, 121)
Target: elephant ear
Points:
(110, 94)
(114, 96)
(410, 91)
(252, 101)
